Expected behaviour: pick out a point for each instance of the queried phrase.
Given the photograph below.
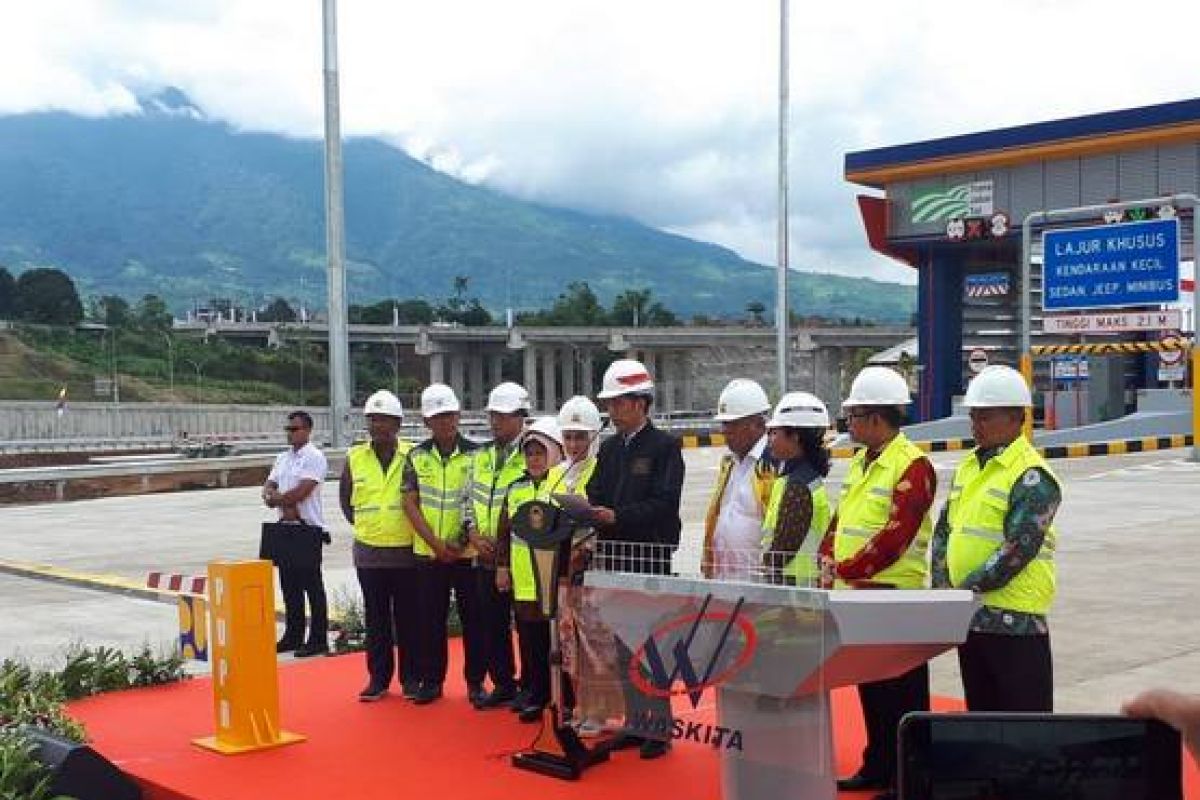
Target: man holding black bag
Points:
(294, 543)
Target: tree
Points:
(414, 312)
(633, 307)
(757, 312)
(8, 293)
(462, 311)
(152, 313)
(112, 310)
(578, 305)
(278, 310)
(407, 312)
(47, 296)
(474, 315)
(659, 316)
(630, 306)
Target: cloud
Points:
(664, 111)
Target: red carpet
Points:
(388, 749)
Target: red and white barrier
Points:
(173, 582)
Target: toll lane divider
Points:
(1144, 444)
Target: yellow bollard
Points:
(193, 627)
(241, 596)
(1026, 368)
(1195, 396)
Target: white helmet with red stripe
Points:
(626, 376)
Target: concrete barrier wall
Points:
(23, 421)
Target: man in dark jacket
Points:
(635, 493)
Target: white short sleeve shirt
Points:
(293, 466)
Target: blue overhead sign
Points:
(1108, 266)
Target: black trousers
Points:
(496, 613)
(533, 636)
(646, 716)
(884, 703)
(296, 584)
(437, 580)
(390, 613)
(1007, 673)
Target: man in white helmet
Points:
(733, 524)
(996, 537)
(435, 478)
(879, 539)
(496, 466)
(635, 494)
(371, 495)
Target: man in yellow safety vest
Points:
(879, 539)
(996, 537)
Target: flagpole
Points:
(781, 298)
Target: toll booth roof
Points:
(1073, 136)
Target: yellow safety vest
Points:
(378, 499)
(802, 568)
(555, 479)
(489, 481)
(440, 481)
(976, 511)
(520, 557)
(764, 482)
(866, 506)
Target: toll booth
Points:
(953, 209)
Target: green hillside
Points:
(190, 209)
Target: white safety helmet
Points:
(626, 376)
(799, 410)
(438, 398)
(545, 430)
(508, 398)
(878, 386)
(579, 414)
(998, 386)
(741, 398)
(384, 402)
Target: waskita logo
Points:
(939, 205)
(732, 652)
(733, 649)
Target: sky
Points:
(661, 110)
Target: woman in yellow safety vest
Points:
(542, 447)
(798, 510)
(592, 691)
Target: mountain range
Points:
(169, 202)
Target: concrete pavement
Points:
(1129, 534)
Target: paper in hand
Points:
(576, 506)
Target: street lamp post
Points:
(116, 383)
(170, 364)
(199, 381)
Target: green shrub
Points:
(89, 670)
(150, 669)
(22, 776)
(34, 698)
(348, 624)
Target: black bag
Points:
(294, 545)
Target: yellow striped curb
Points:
(1144, 444)
(114, 584)
(117, 584)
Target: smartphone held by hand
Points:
(1038, 757)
